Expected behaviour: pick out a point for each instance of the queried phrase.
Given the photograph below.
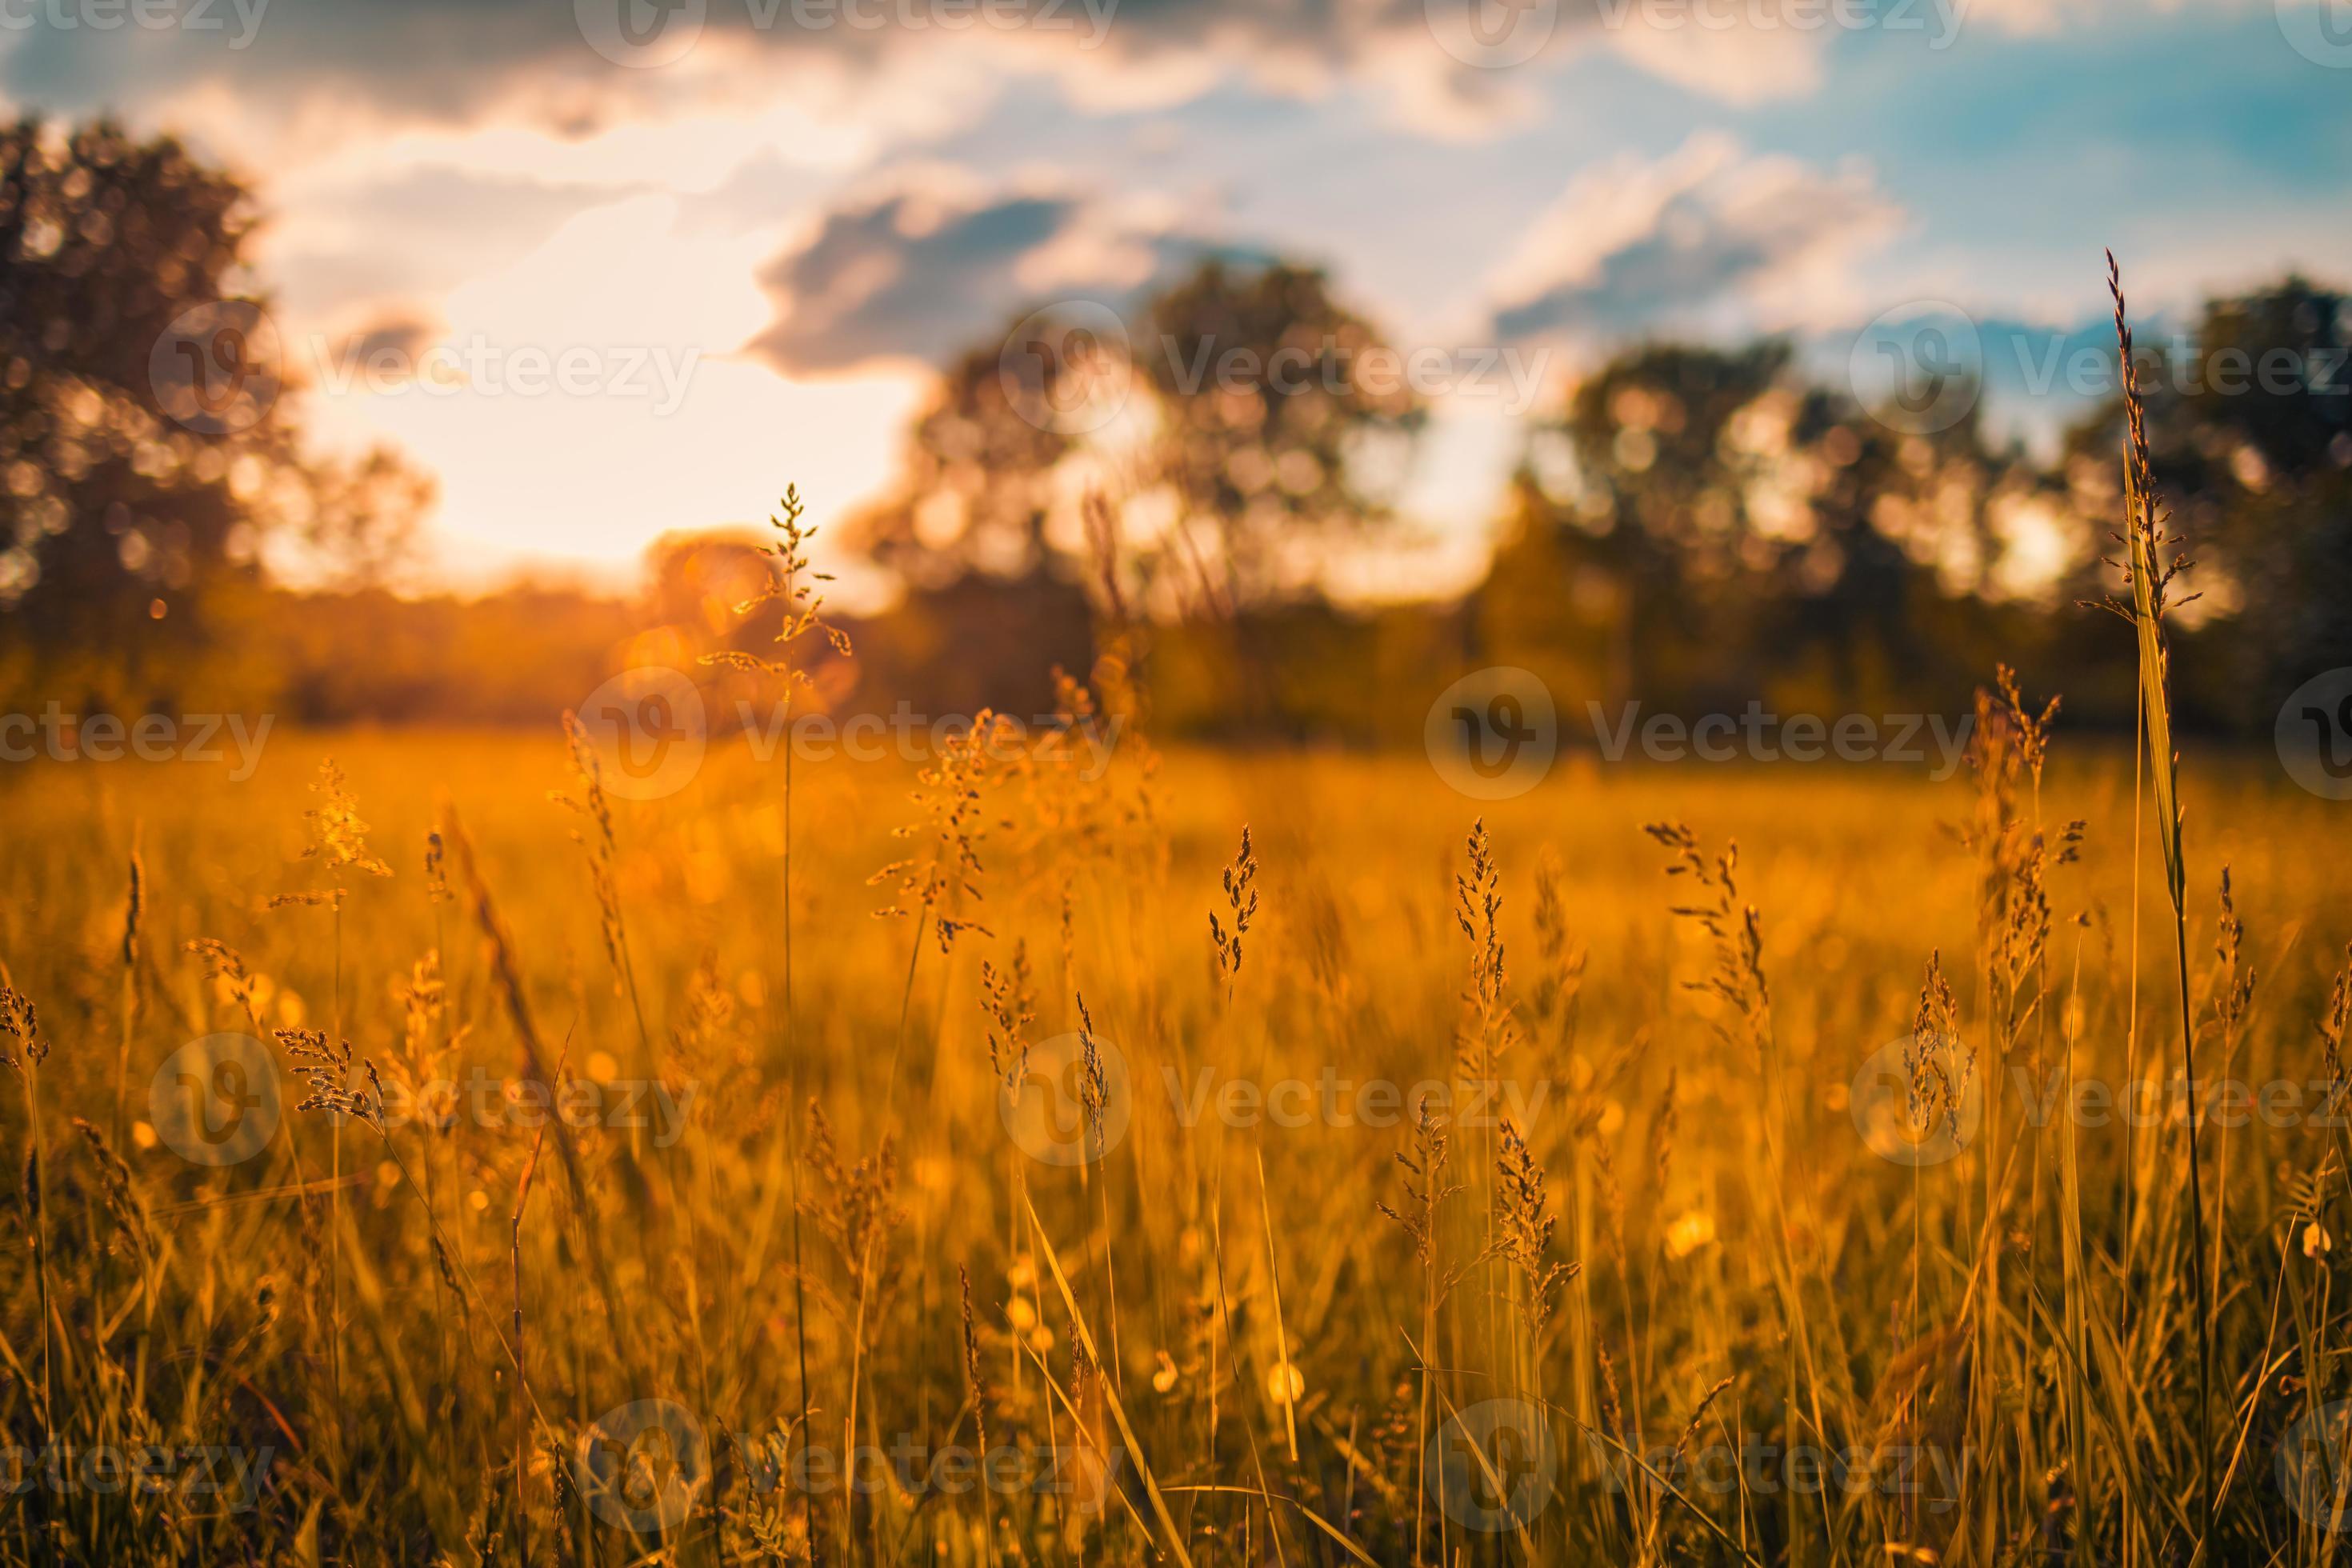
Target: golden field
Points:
(1656, 1297)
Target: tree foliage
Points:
(148, 452)
(1231, 423)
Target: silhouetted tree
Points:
(2251, 448)
(147, 453)
(1700, 524)
(1235, 413)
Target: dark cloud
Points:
(468, 62)
(922, 272)
(394, 343)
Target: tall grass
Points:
(1200, 1317)
(2150, 576)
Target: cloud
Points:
(241, 74)
(399, 337)
(923, 266)
(410, 231)
(1708, 239)
(289, 80)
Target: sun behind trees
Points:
(1704, 524)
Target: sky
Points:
(611, 267)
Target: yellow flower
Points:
(1284, 1384)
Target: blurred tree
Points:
(976, 490)
(1242, 413)
(1700, 525)
(2251, 446)
(146, 454)
(1269, 393)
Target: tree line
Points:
(1693, 526)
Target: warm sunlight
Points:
(1091, 784)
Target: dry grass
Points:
(1665, 1235)
(1668, 1233)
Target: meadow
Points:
(1236, 1157)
